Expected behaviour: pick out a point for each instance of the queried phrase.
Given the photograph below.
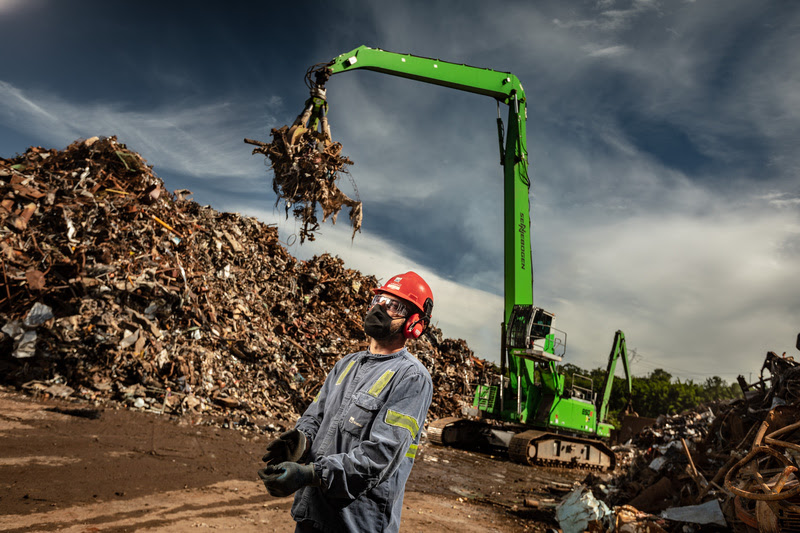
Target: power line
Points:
(659, 366)
(639, 357)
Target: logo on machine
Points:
(522, 229)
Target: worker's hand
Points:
(289, 446)
(285, 478)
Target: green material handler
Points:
(528, 407)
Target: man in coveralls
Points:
(351, 452)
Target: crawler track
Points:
(450, 431)
(551, 449)
(531, 447)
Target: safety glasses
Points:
(392, 306)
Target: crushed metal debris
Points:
(306, 165)
(730, 466)
(114, 289)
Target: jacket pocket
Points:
(359, 417)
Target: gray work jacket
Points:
(364, 427)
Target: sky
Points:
(662, 139)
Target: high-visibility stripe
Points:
(412, 451)
(379, 385)
(393, 418)
(346, 370)
(316, 398)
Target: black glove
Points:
(285, 478)
(289, 446)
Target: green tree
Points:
(655, 394)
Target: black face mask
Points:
(378, 323)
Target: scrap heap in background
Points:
(114, 288)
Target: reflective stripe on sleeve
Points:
(393, 418)
(412, 451)
(316, 398)
(346, 370)
(379, 385)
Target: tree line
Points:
(657, 393)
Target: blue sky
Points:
(662, 137)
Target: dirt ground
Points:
(119, 470)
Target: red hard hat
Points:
(412, 288)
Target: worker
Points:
(350, 454)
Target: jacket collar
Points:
(380, 357)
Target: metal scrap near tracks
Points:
(731, 465)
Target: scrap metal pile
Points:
(306, 165)
(729, 466)
(114, 289)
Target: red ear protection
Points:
(413, 327)
(416, 324)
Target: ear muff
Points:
(414, 326)
(417, 323)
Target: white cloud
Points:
(608, 51)
(7, 6)
(609, 20)
(203, 140)
(690, 291)
(785, 202)
(15, 102)
(780, 199)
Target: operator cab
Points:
(582, 389)
(531, 335)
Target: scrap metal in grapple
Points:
(306, 165)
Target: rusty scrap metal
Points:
(750, 446)
(776, 499)
(306, 164)
(115, 290)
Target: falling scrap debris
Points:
(113, 289)
(306, 165)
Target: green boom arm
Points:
(506, 89)
(618, 351)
